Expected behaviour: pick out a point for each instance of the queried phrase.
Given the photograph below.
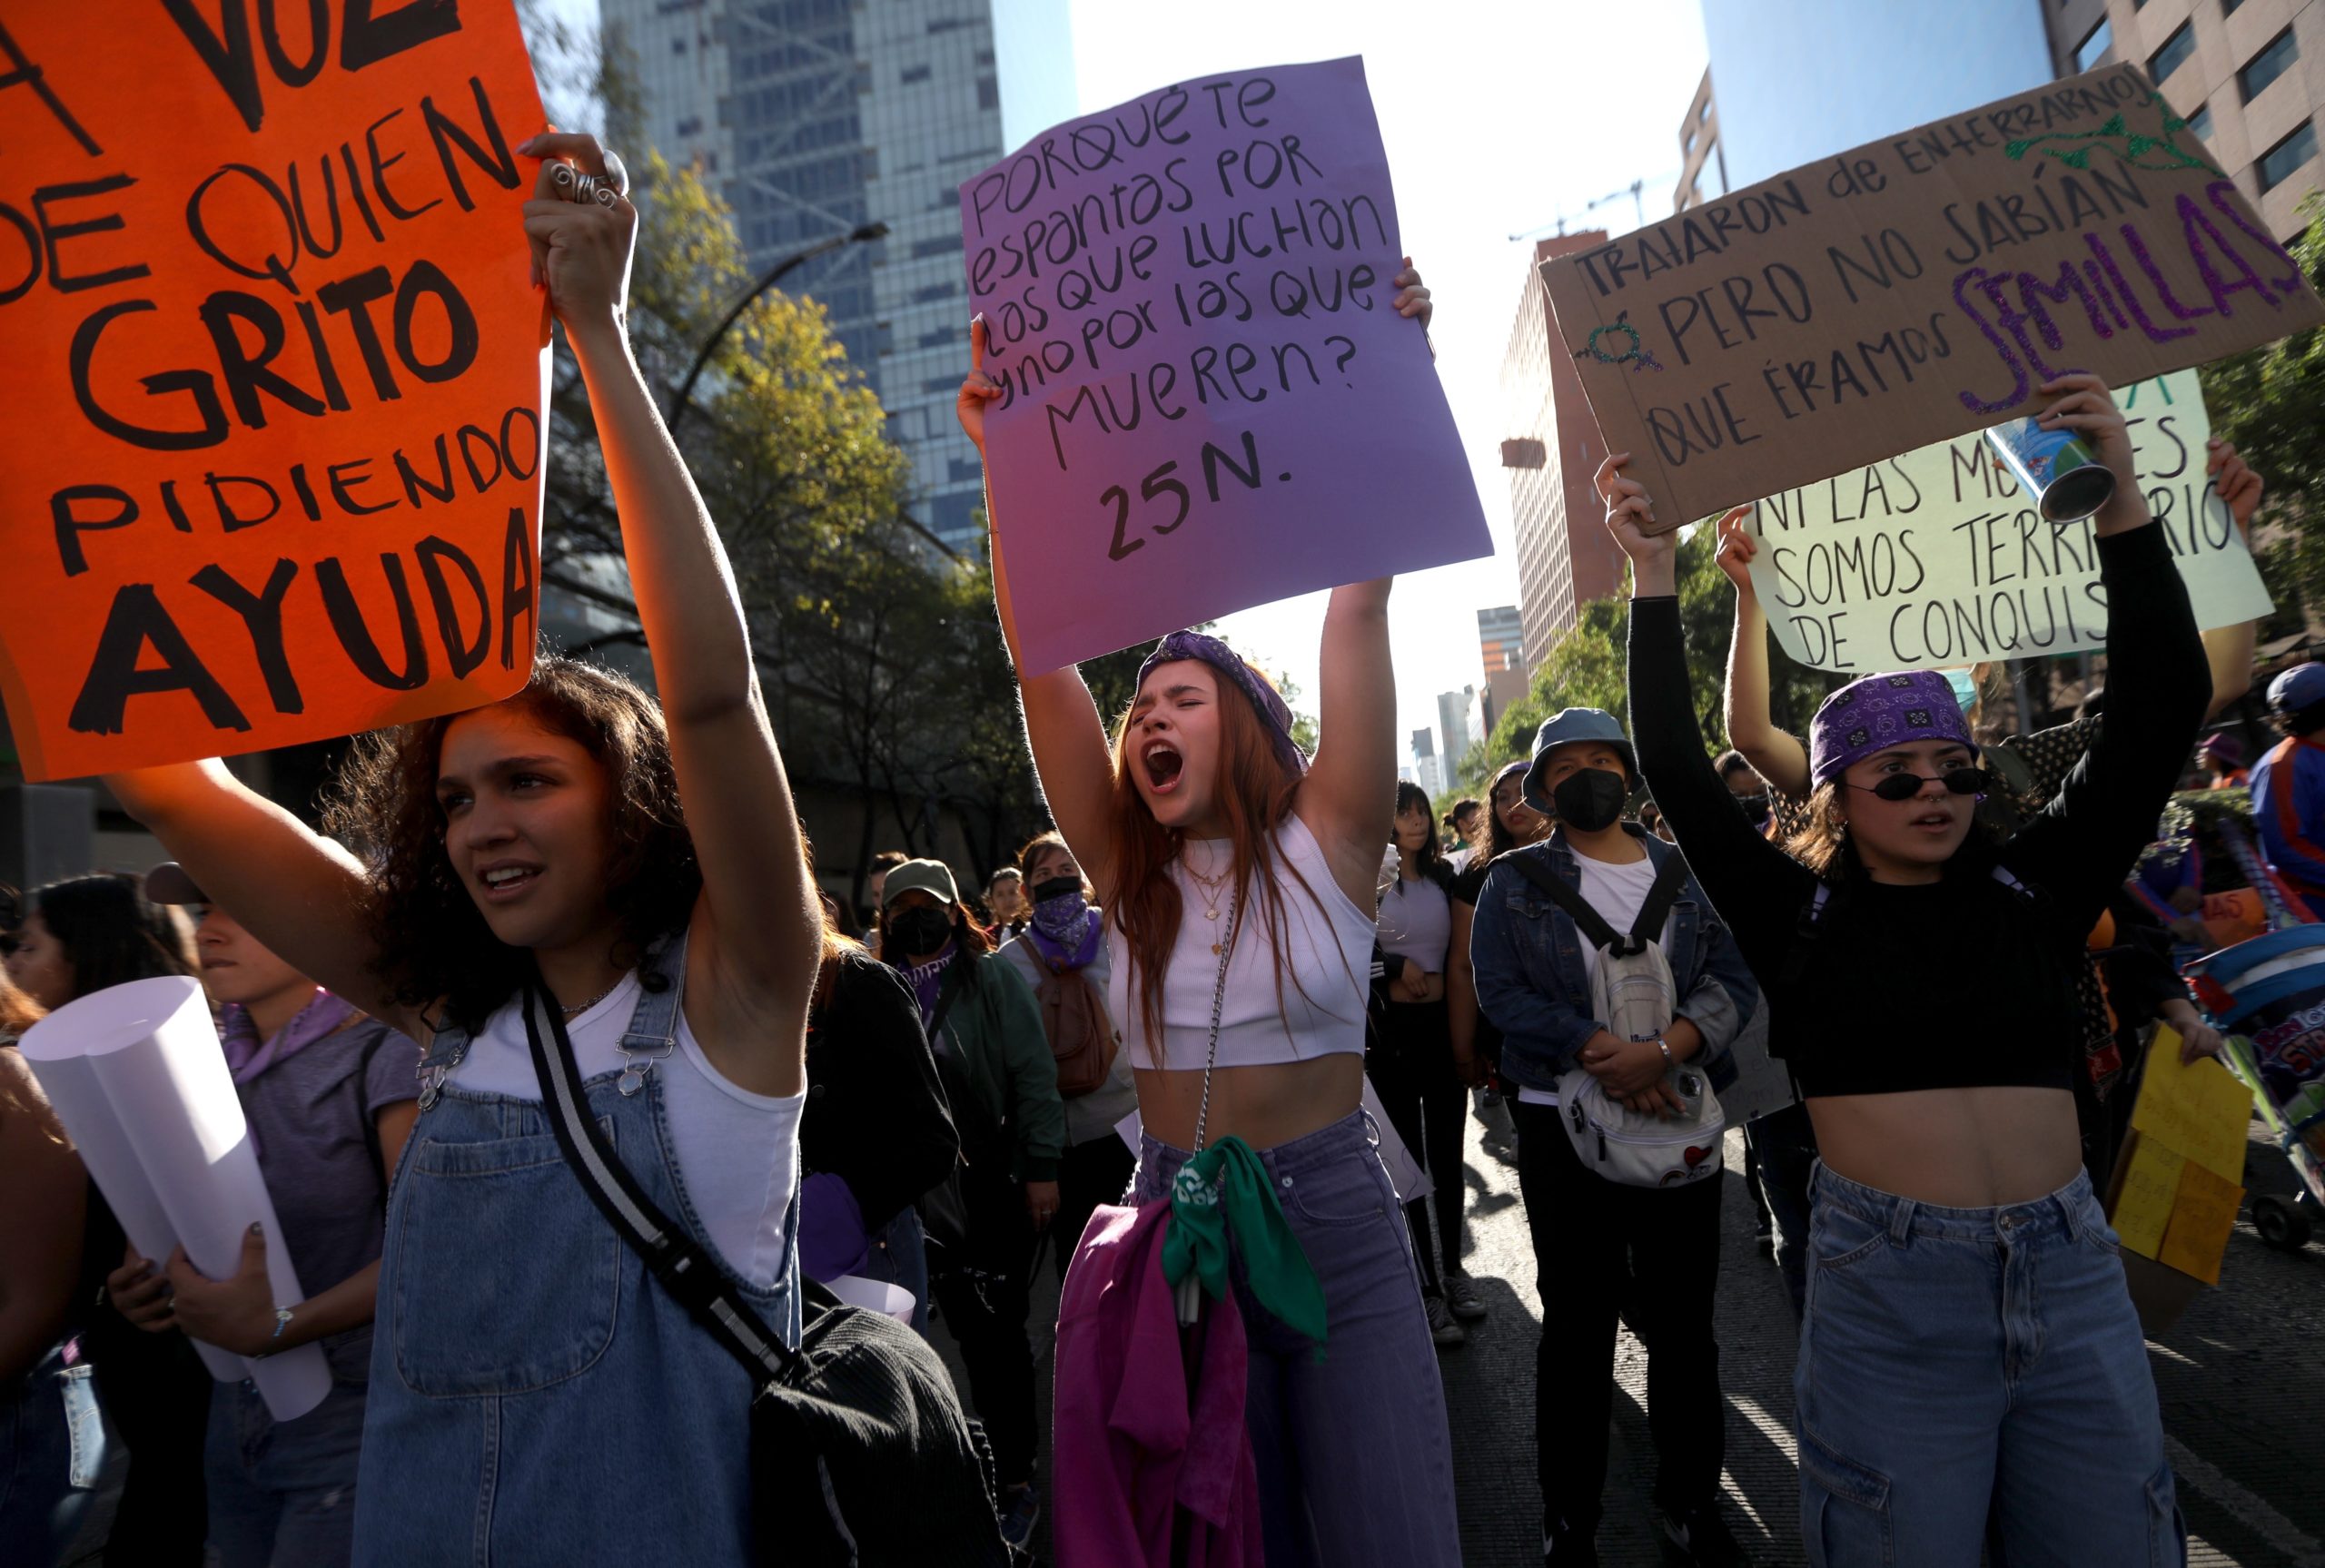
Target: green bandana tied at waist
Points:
(1225, 1187)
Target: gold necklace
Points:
(1211, 890)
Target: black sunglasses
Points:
(1905, 786)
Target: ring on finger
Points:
(617, 175)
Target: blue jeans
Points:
(51, 1448)
(1354, 1457)
(1958, 1362)
(283, 1492)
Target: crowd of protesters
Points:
(1169, 1050)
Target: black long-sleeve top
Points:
(1968, 981)
(877, 1116)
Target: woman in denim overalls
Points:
(535, 1398)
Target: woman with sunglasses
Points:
(1969, 1349)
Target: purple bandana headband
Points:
(1879, 712)
(1273, 711)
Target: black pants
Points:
(1785, 1144)
(157, 1392)
(986, 1314)
(1413, 1071)
(1600, 1247)
(1094, 1173)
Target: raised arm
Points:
(2081, 846)
(298, 892)
(2229, 649)
(1758, 889)
(1349, 797)
(1778, 756)
(757, 968)
(1063, 724)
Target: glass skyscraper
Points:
(813, 117)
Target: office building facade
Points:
(1429, 768)
(815, 117)
(2247, 76)
(1461, 723)
(1501, 649)
(1551, 448)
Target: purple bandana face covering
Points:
(1273, 709)
(1879, 712)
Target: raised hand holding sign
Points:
(277, 374)
(1198, 369)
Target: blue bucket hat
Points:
(1564, 729)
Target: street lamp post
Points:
(680, 400)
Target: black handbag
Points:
(861, 1457)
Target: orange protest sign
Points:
(276, 372)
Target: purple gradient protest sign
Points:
(1209, 400)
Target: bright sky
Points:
(1500, 117)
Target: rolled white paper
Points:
(138, 1079)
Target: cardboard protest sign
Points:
(1939, 557)
(2179, 1177)
(1209, 402)
(1916, 288)
(276, 373)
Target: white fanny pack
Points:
(1632, 991)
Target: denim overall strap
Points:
(653, 1031)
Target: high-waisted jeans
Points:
(1355, 1463)
(1958, 1363)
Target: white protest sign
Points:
(136, 1075)
(1938, 557)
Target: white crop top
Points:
(1326, 964)
(737, 1153)
(1417, 922)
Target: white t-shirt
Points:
(1616, 891)
(737, 1153)
(1417, 922)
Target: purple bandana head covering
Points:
(1273, 711)
(1879, 712)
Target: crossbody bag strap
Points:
(1656, 908)
(686, 1271)
(1594, 925)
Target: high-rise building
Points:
(815, 117)
(1551, 448)
(1702, 163)
(1502, 648)
(1460, 721)
(2247, 76)
(1429, 768)
(1877, 69)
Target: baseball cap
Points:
(168, 884)
(933, 877)
(2301, 687)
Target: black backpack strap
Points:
(686, 1271)
(1593, 924)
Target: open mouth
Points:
(1163, 767)
(507, 880)
(1934, 821)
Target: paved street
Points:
(2240, 1397)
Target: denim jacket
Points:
(1531, 983)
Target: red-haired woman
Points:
(534, 1396)
(1238, 880)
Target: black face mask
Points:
(1754, 807)
(1589, 799)
(914, 931)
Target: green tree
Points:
(2266, 401)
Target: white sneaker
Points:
(1441, 1326)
